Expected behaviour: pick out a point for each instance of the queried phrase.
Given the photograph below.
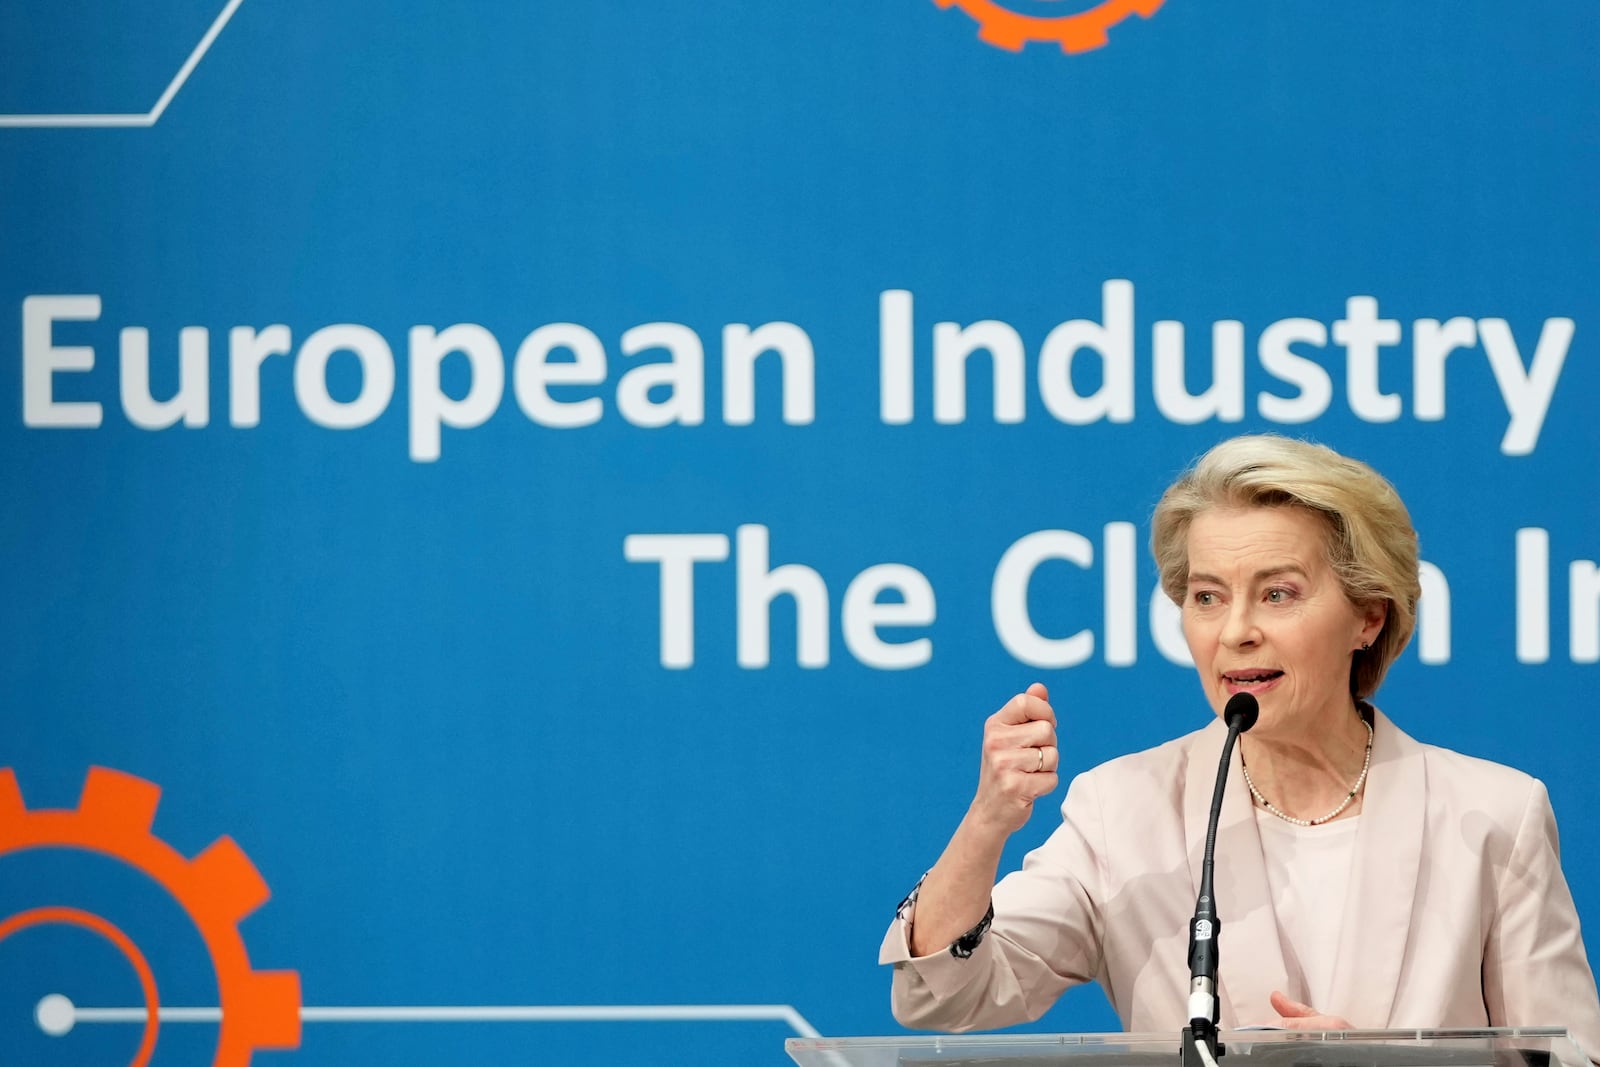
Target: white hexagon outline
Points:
(149, 118)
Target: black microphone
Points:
(1240, 714)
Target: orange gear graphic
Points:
(218, 889)
(1083, 31)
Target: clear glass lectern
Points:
(1519, 1047)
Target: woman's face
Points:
(1264, 613)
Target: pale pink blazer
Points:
(1458, 914)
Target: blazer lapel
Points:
(1383, 880)
(1250, 956)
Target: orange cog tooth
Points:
(1084, 31)
(267, 1016)
(1003, 36)
(273, 1017)
(227, 884)
(10, 796)
(119, 801)
(12, 811)
(1078, 39)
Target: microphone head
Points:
(1241, 712)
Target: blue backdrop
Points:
(480, 642)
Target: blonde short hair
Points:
(1370, 542)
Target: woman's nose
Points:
(1239, 629)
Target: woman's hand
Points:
(1297, 1016)
(1020, 758)
(1018, 766)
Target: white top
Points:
(1308, 873)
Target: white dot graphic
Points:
(54, 1014)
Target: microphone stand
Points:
(1200, 1045)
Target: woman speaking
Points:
(1364, 879)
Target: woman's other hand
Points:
(1294, 1015)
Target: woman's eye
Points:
(1205, 599)
(1277, 596)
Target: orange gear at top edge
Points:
(1082, 31)
(217, 889)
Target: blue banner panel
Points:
(518, 513)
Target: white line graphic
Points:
(56, 1015)
(149, 118)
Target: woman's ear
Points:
(1373, 616)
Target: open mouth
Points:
(1250, 679)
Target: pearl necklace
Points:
(1366, 764)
